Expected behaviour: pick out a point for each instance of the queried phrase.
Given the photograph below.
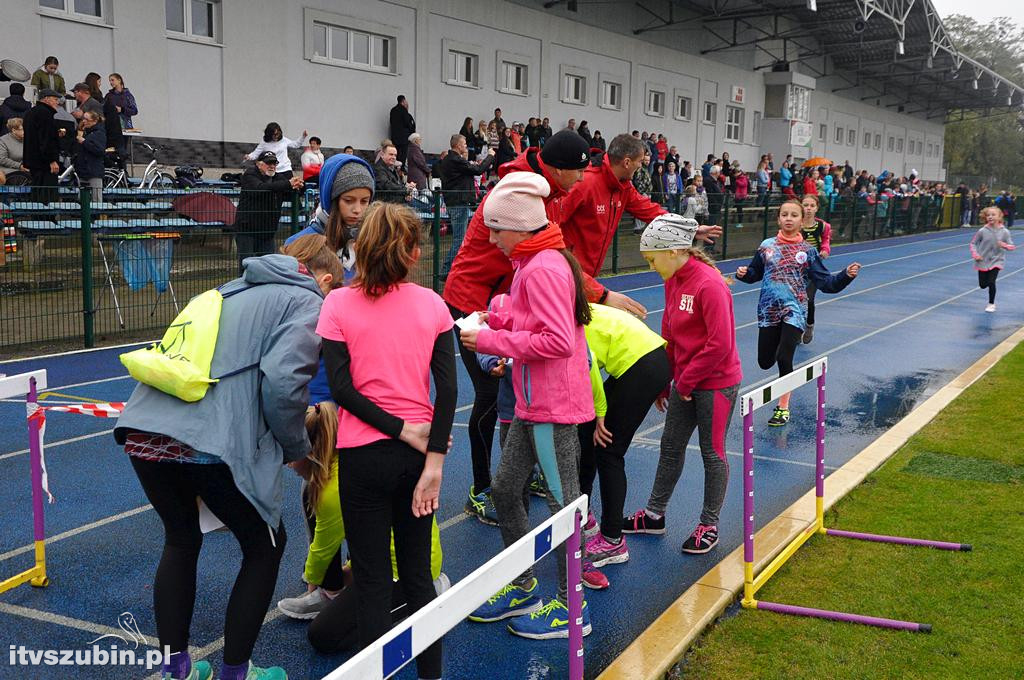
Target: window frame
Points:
(606, 86)
(899, 145)
(738, 124)
(216, 17)
(890, 144)
(878, 141)
(840, 135)
(867, 139)
(680, 98)
(69, 13)
(652, 92)
(822, 132)
(713, 108)
(313, 18)
(565, 72)
(461, 55)
(851, 137)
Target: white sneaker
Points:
(303, 607)
(442, 583)
(990, 307)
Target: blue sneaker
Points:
(512, 600)
(201, 670)
(550, 621)
(481, 506)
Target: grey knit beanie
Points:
(351, 176)
(668, 232)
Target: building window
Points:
(513, 77)
(839, 135)
(891, 144)
(867, 140)
(710, 112)
(463, 68)
(757, 128)
(655, 103)
(194, 18)
(684, 108)
(346, 46)
(611, 95)
(574, 89)
(851, 137)
(938, 151)
(878, 141)
(76, 8)
(822, 132)
(899, 145)
(733, 124)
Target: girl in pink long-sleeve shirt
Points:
(701, 334)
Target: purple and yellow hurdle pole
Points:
(574, 556)
(819, 456)
(748, 504)
(899, 540)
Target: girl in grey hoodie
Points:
(988, 248)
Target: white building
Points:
(217, 71)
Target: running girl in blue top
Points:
(786, 263)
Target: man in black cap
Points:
(42, 146)
(259, 207)
(83, 95)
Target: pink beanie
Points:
(516, 203)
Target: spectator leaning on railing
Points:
(390, 187)
(457, 182)
(259, 207)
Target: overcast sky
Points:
(982, 11)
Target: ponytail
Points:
(322, 428)
(581, 308)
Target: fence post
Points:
(88, 313)
(853, 218)
(725, 225)
(436, 234)
(874, 216)
(295, 211)
(764, 226)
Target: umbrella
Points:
(816, 161)
(206, 207)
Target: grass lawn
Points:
(960, 479)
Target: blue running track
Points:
(912, 321)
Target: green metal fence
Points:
(78, 272)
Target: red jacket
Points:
(481, 271)
(662, 147)
(698, 324)
(591, 214)
(810, 186)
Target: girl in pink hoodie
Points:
(541, 329)
(706, 374)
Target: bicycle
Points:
(155, 177)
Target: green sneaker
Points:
(512, 600)
(538, 487)
(549, 621)
(201, 670)
(271, 673)
(481, 506)
(779, 418)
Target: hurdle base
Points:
(844, 617)
(34, 576)
(899, 540)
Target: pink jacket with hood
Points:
(536, 326)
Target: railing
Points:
(80, 272)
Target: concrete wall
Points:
(261, 70)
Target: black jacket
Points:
(389, 186)
(259, 204)
(506, 152)
(112, 124)
(14, 106)
(89, 161)
(41, 144)
(457, 175)
(402, 125)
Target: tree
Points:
(991, 146)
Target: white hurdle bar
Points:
(762, 396)
(402, 644)
(18, 385)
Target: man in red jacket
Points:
(591, 213)
(481, 271)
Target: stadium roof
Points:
(896, 50)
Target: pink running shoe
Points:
(601, 551)
(590, 528)
(594, 579)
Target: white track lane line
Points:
(78, 530)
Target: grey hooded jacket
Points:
(254, 420)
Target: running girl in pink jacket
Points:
(706, 374)
(542, 331)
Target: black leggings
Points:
(172, 489)
(629, 399)
(376, 482)
(484, 415)
(777, 344)
(811, 291)
(988, 280)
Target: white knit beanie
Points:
(668, 232)
(516, 203)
